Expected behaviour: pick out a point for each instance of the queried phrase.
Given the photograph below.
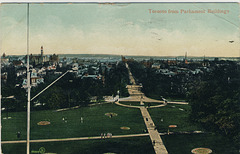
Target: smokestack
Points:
(41, 50)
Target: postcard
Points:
(120, 77)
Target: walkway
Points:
(136, 95)
(153, 133)
(181, 103)
(93, 138)
(74, 139)
(132, 106)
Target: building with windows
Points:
(38, 59)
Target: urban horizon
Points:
(89, 54)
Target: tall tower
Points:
(185, 59)
(204, 61)
(41, 51)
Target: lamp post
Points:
(118, 93)
(28, 85)
(0, 106)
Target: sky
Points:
(148, 29)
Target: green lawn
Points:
(138, 103)
(172, 114)
(184, 143)
(140, 145)
(167, 98)
(10, 127)
(94, 123)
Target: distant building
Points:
(75, 66)
(21, 71)
(38, 59)
(157, 66)
(54, 59)
(126, 60)
(99, 77)
(51, 68)
(35, 79)
(196, 71)
(4, 77)
(4, 59)
(147, 64)
(185, 59)
(17, 63)
(172, 62)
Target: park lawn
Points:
(138, 103)
(171, 99)
(140, 145)
(10, 127)
(131, 103)
(172, 115)
(184, 143)
(94, 123)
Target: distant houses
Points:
(96, 77)
(35, 79)
(96, 68)
(4, 76)
(39, 65)
(4, 60)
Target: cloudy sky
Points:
(124, 29)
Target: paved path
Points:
(74, 139)
(137, 98)
(136, 95)
(92, 138)
(182, 103)
(132, 106)
(153, 133)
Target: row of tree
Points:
(155, 84)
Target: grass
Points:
(131, 103)
(10, 127)
(172, 115)
(94, 123)
(171, 99)
(140, 145)
(138, 103)
(184, 143)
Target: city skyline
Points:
(147, 29)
